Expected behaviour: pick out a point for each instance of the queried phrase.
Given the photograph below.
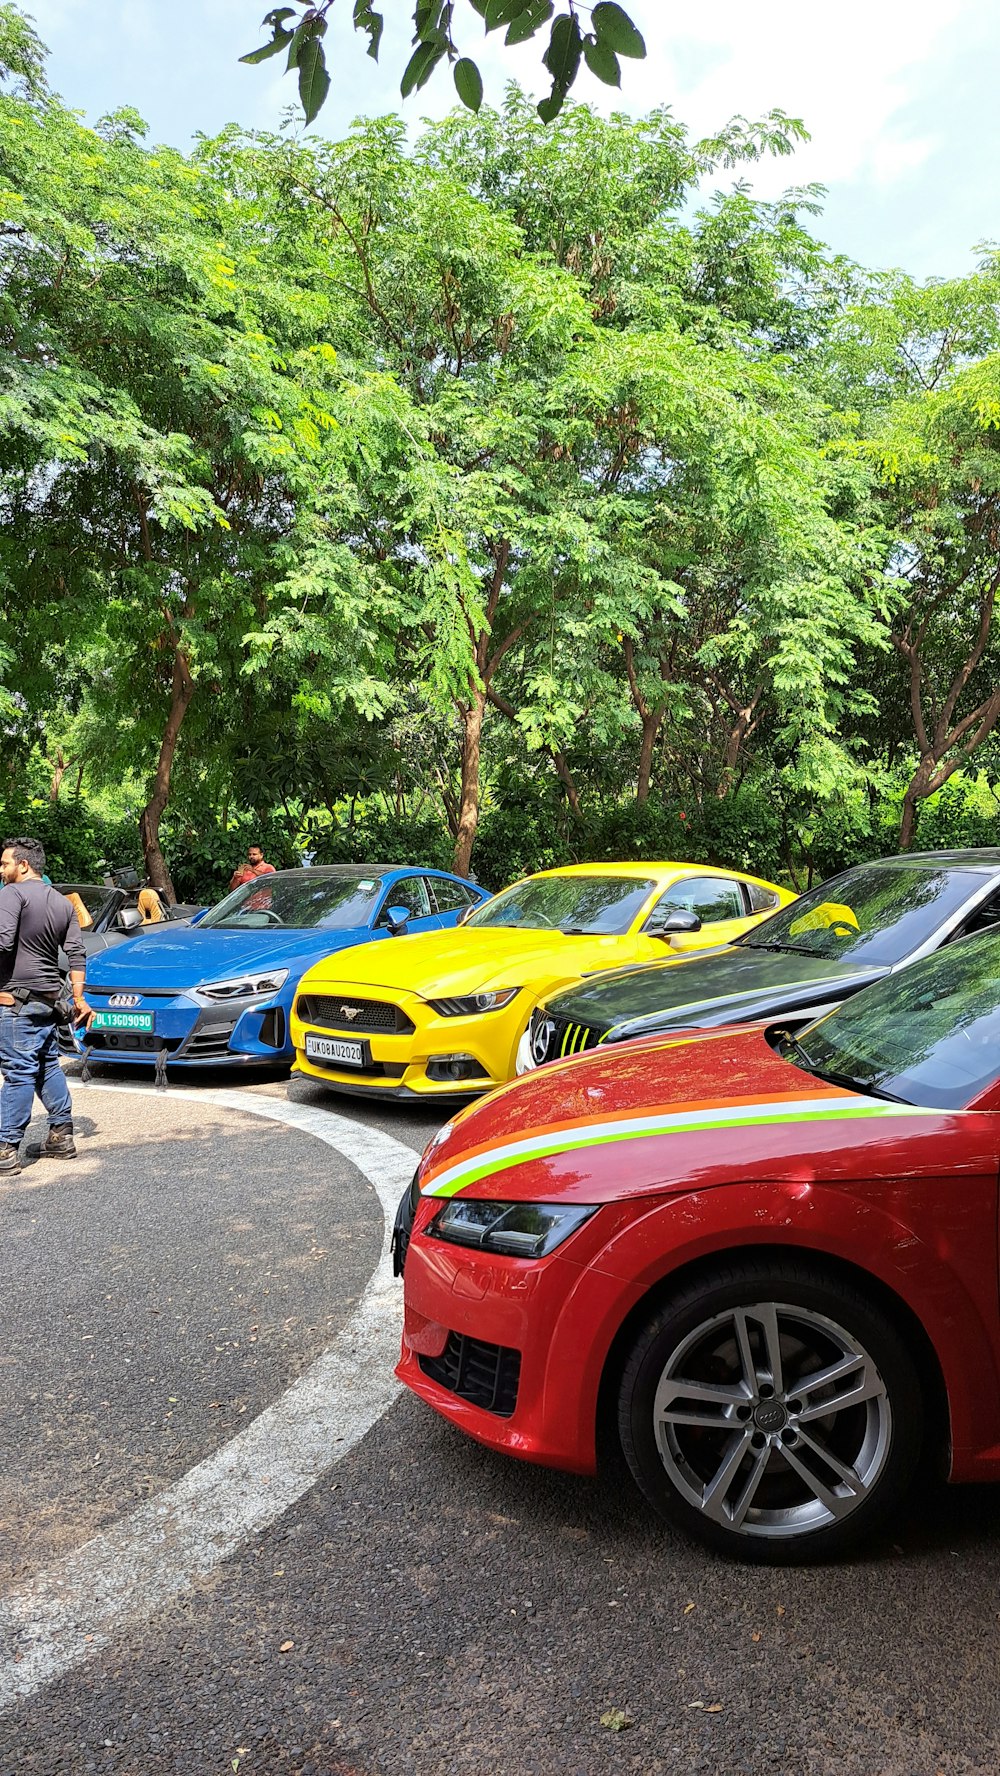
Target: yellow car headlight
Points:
(473, 1003)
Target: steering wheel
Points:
(271, 917)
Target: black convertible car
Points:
(114, 910)
(855, 929)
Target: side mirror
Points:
(128, 919)
(464, 917)
(197, 917)
(396, 918)
(673, 921)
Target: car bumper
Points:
(412, 1064)
(513, 1351)
(193, 1035)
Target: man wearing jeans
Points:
(35, 922)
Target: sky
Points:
(899, 96)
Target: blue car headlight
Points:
(519, 1230)
(242, 988)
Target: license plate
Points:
(333, 1048)
(122, 1020)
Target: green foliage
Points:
(300, 29)
(482, 497)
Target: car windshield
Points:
(94, 899)
(873, 915)
(930, 1035)
(581, 905)
(300, 902)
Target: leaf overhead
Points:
(468, 83)
(438, 24)
(615, 30)
(602, 61)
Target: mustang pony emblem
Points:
(349, 1011)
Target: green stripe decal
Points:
(461, 1176)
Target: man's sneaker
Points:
(59, 1143)
(10, 1158)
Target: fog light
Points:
(452, 1067)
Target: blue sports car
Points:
(220, 990)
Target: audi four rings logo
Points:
(349, 1011)
(124, 1001)
(540, 1036)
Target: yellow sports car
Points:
(441, 1014)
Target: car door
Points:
(718, 901)
(450, 900)
(409, 892)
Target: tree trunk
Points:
(565, 777)
(650, 728)
(60, 765)
(468, 814)
(181, 692)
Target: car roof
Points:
(987, 857)
(365, 870)
(634, 867)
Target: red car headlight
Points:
(519, 1230)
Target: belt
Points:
(19, 997)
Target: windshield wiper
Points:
(792, 1044)
(856, 1085)
(787, 949)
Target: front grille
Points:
(374, 1069)
(113, 1042)
(372, 1016)
(208, 1045)
(486, 1375)
(555, 1038)
(403, 1225)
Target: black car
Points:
(114, 910)
(855, 929)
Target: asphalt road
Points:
(423, 1606)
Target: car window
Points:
(591, 905)
(711, 898)
(929, 1035)
(762, 900)
(985, 915)
(94, 899)
(411, 893)
(449, 897)
(876, 913)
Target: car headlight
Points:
(243, 986)
(520, 1230)
(473, 1002)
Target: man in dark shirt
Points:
(35, 922)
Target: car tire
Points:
(737, 1432)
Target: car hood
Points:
(730, 985)
(191, 956)
(439, 964)
(672, 1115)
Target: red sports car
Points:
(767, 1262)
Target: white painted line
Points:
(89, 1599)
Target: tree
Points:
(166, 405)
(927, 364)
(300, 29)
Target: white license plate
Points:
(334, 1048)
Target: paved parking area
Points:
(423, 1606)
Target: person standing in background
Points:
(35, 923)
(254, 866)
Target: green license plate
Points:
(122, 1020)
